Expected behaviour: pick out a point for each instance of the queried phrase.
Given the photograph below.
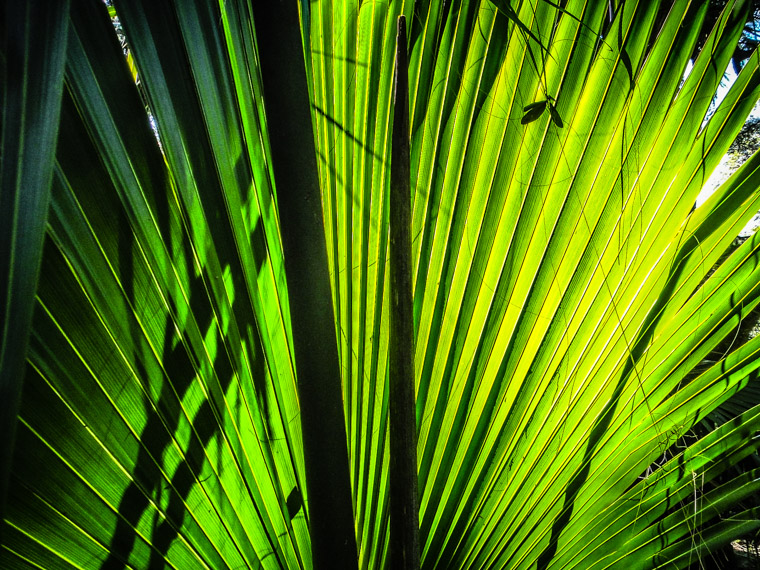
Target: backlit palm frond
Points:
(574, 370)
(159, 423)
(559, 302)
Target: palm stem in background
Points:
(405, 542)
(295, 171)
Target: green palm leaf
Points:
(549, 261)
(175, 380)
(566, 317)
(32, 81)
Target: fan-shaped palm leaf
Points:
(562, 293)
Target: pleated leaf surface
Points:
(566, 305)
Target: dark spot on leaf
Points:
(555, 116)
(294, 502)
(533, 111)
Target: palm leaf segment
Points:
(159, 422)
(560, 290)
(555, 273)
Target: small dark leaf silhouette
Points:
(294, 502)
(537, 105)
(533, 111)
(555, 116)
